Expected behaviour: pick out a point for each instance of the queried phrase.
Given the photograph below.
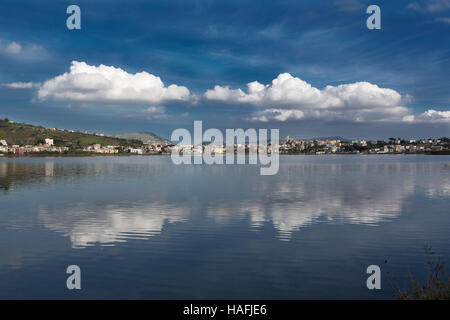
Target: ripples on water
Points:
(141, 227)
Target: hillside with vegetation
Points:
(145, 137)
(26, 134)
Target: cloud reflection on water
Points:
(301, 195)
(88, 224)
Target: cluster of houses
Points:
(327, 146)
(218, 149)
(363, 146)
(48, 146)
(98, 148)
(289, 145)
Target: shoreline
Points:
(82, 155)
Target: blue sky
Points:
(318, 70)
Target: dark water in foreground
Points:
(141, 227)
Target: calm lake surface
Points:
(142, 227)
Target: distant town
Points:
(336, 146)
(392, 145)
(23, 139)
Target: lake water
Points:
(141, 227)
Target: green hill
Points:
(145, 137)
(26, 134)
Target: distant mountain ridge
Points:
(331, 138)
(145, 137)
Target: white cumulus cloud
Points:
(108, 84)
(430, 115)
(289, 91)
(289, 97)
